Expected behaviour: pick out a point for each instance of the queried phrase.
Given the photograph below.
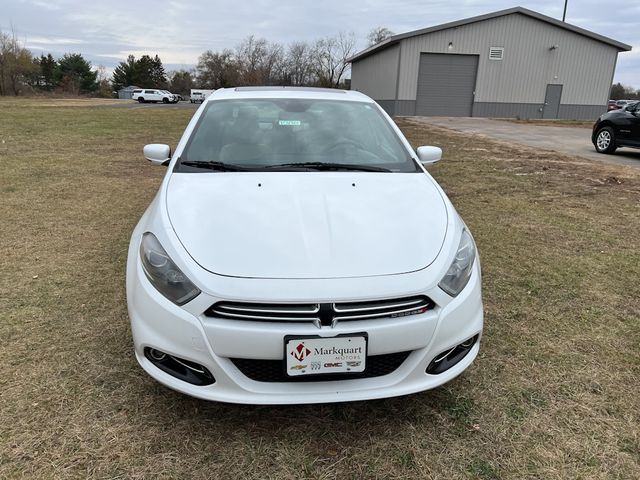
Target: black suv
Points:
(617, 128)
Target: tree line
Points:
(254, 61)
(20, 71)
(624, 92)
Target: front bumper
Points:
(187, 333)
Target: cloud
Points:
(54, 41)
(179, 31)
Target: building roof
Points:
(501, 13)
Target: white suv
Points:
(153, 96)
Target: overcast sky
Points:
(179, 31)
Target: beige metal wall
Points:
(583, 65)
(376, 75)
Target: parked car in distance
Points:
(199, 95)
(612, 105)
(623, 103)
(153, 96)
(172, 96)
(298, 251)
(617, 128)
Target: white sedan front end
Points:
(272, 282)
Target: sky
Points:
(179, 31)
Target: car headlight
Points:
(163, 273)
(459, 272)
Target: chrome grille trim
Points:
(392, 314)
(265, 308)
(299, 312)
(270, 318)
(354, 306)
(325, 314)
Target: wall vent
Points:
(496, 53)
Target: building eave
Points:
(395, 39)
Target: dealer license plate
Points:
(317, 355)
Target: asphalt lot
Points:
(575, 141)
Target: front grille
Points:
(326, 314)
(274, 370)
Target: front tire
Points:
(140, 100)
(165, 100)
(605, 141)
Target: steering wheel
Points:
(342, 143)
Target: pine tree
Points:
(74, 74)
(124, 74)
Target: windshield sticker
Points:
(291, 123)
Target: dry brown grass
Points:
(57, 101)
(552, 123)
(554, 393)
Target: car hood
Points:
(307, 224)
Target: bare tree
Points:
(260, 62)
(105, 89)
(299, 64)
(16, 65)
(256, 61)
(378, 34)
(330, 57)
(217, 70)
(181, 81)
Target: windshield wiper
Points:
(221, 166)
(331, 166)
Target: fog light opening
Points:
(443, 355)
(157, 355)
(182, 369)
(468, 343)
(447, 359)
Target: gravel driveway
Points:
(574, 141)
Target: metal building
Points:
(511, 63)
(125, 93)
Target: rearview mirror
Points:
(429, 155)
(157, 153)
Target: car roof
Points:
(310, 93)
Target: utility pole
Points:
(564, 14)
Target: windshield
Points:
(294, 134)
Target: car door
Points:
(634, 136)
(625, 125)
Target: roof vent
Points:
(496, 53)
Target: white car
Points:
(153, 95)
(298, 251)
(199, 96)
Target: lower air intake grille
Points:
(273, 370)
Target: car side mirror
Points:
(429, 155)
(157, 153)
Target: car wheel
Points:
(165, 100)
(605, 140)
(140, 100)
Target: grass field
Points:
(555, 392)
